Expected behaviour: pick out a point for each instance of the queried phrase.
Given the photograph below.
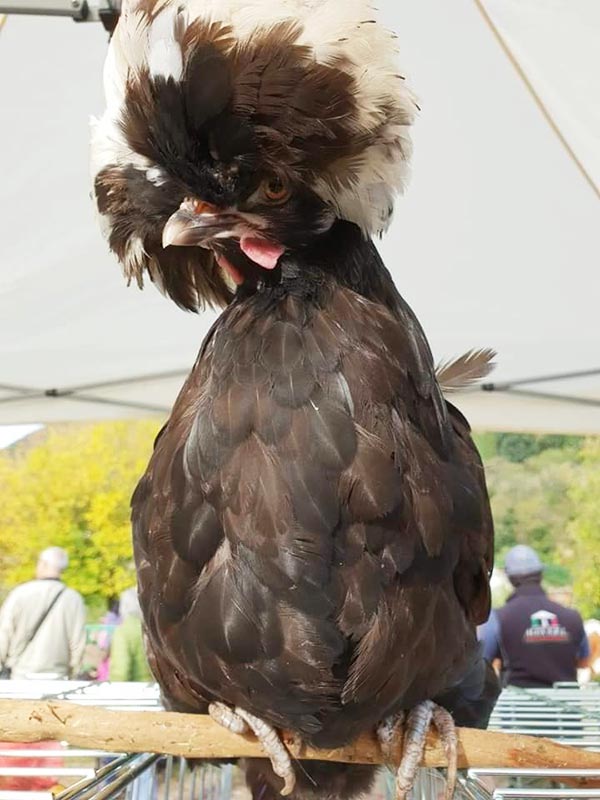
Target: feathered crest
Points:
(465, 370)
(316, 79)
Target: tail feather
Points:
(465, 370)
(472, 701)
(315, 780)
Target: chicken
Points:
(312, 535)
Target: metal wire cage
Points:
(566, 713)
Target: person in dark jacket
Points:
(537, 641)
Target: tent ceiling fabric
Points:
(495, 244)
(556, 44)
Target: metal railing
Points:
(565, 713)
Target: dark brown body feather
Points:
(313, 536)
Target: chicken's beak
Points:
(196, 223)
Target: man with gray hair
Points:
(538, 642)
(42, 624)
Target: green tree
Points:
(518, 447)
(585, 530)
(531, 504)
(487, 444)
(72, 489)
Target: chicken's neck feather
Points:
(342, 257)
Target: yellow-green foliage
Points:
(73, 490)
(532, 505)
(585, 529)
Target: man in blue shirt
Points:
(537, 641)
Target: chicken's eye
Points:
(276, 190)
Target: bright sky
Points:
(9, 434)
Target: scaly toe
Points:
(390, 733)
(444, 725)
(274, 748)
(417, 725)
(227, 718)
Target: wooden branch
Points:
(197, 736)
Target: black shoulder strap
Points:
(40, 621)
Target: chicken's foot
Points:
(413, 730)
(241, 722)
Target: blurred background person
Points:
(42, 624)
(591, 672)
(128, 663)
(533, 641)
(127, 653)
(110, 621)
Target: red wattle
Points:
(235, 274)
(264, 253)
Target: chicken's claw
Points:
(414, 730)
(240, 721)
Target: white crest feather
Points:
(164, 53)
(337, 32)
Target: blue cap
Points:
(522, 560)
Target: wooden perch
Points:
(196, 736)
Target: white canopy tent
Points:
(495, 244)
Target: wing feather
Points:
(465, 370)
